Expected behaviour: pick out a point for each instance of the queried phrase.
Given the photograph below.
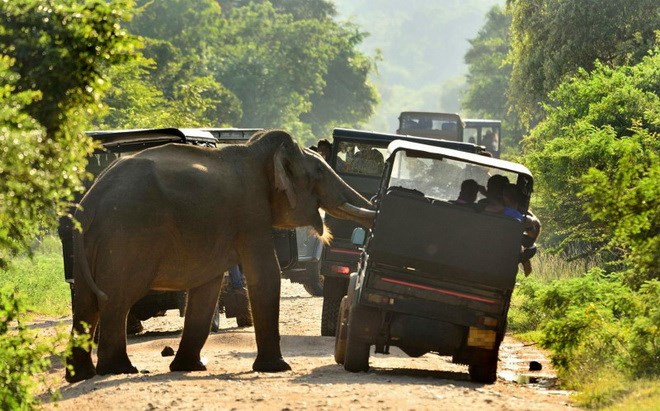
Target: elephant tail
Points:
(80, 260)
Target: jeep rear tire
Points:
(334, 288)
(356, 358)
(484, 372)
(340, 334)
(314, 284)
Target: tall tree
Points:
(300, 73)
(489, 74)
(596, 157)
(52, 77)
(259, 63)
(552, 39)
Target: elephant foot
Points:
(79, 373)
(103, 369)
(186, 365)
(276, 365)
(79, 366)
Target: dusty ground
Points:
(395, 381)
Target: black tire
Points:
(485, 373)
(334, 288)
(356, 358)
(340, 334)
(314, 285)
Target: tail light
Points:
(340, 269)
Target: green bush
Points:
(593, 324)
(25, 356)
(21, 355)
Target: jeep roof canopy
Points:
(459, 155)
(117, 138)
(487, 165)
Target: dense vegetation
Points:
(583, 78)
(577, 83)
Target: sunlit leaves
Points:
(595, 158)
(552, 39)
(51, 83)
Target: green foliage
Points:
(625, 200)
(489, 74)
(218, 63)
(595, 158)
(51, 79)
(24, 355)
(61, 49)
(553, 39)
(293, 70)
(594, 324)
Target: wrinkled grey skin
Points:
(175, 217)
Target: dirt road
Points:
(395, 381)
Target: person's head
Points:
(469, 190)
(511, 196)
(324, 148)
(495, 187)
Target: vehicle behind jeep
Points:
(358, 158)
(450, 126)
(434, 275)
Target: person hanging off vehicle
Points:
(503, 197)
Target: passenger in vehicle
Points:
(491, 141)
(324, 148)
(468, 194)
(368, 161)
(511, 198)
(532, 229)
(494, 201)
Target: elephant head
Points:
(303, 183)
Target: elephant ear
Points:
(282, 179)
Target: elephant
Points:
(176, 217)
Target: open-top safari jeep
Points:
(434, 275)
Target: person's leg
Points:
(236, 278)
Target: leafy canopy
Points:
(489, 73)
(596, 162)
(552, 39)
(52, 65)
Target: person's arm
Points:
(532, 225)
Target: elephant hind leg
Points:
(113, 358)
(79, 363)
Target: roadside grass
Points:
(39, 279)
(613, 392)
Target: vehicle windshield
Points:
(364, 159)
(439, 178)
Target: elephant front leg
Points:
(199, 313)
(263, 277)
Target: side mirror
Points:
(358, 236)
